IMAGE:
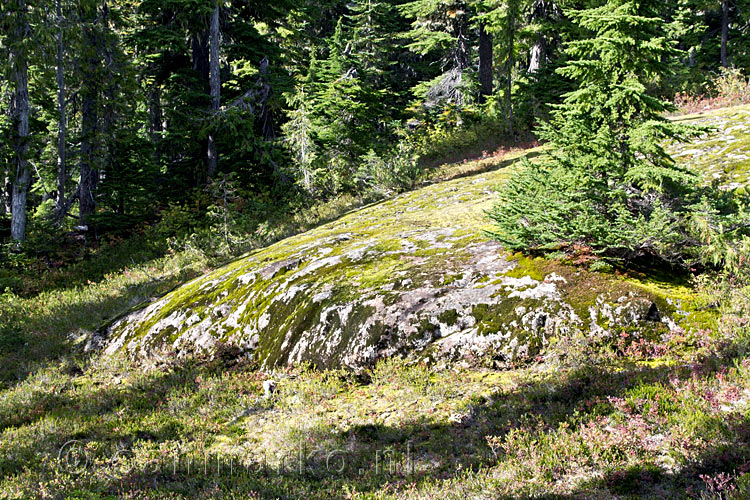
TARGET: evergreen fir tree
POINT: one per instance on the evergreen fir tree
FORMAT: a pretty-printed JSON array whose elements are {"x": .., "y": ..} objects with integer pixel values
[
  {"x": 299, "y": 136},
  {"x": 503, "y": 20},
  {"x": 346, "y": 109},
  {"x": 369, "y": 19},
  {"x": 607, "y": 183},
  {"x": 441, "y": 28}
]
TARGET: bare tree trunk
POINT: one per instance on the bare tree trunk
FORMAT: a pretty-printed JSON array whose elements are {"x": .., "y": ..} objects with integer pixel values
[
  {"x": 155, "y": 113},
  {"x": 538, "y": 55},
  {"x": 724, "y": 31},
  {"x": 21, "y": 114},
  {"x": 541, "y": 11},
  {"x": 89, "y": 122},
  {"x": 485, "y": 64},
  {"x": 461, "y": 55},
  {"x": 262, "y": 96},
  {"x": 62, "y": 172},
  {"x": 212, "y": 159},
  {"x": 86, "y": 202},
  {"x": 510, "y": 63},
  {"x": 155, "y": 118},
  {"x": 105, "y": 152}
]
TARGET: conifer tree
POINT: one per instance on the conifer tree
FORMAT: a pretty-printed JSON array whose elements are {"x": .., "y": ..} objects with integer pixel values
[
  {"x": 504, "y": 21},
  {"x": 369, "y": 18},
  {"x": 299, "y": 132},
  {"x": 16, "y": 17},
  {"x": 215, "y": 86},
  {"x": 442, "y": 28},
  {"x": 346, "y": 110},
  {"x": 607, "y": 183}
]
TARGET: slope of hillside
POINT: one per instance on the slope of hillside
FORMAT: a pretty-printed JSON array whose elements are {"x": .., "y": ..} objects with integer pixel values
[
  {"x": 660, "y": 409},
  {"x": 724, "y": 154},
  {"x": 415, "y": 275}
]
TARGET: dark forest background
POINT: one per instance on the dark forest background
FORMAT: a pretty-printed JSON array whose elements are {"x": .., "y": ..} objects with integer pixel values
[{"x": 205, "y": 123}]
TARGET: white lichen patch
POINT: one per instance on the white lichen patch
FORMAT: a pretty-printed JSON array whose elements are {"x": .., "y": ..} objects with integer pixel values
[{"x": 411, "y": 276}]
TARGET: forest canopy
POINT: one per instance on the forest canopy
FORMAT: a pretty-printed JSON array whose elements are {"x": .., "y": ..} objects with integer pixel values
[{"x": 119, "y": 115}]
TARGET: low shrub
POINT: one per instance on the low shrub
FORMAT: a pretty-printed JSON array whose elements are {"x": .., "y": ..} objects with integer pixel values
[{"x": 728, "y": 87}]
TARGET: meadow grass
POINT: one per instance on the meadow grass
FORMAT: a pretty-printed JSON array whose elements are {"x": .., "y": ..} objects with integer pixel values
[{"x": 656, "y": 419}]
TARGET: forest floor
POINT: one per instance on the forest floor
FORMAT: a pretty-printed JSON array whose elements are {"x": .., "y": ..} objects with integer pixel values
[{"x": 656, "y": 421}]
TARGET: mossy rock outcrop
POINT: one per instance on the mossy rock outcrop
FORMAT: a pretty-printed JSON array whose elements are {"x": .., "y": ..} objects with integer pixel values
[{"x": 413, "y": 275}]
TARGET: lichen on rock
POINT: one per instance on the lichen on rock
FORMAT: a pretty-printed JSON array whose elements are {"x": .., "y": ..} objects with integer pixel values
[
  {"x": 411, "y": 276},
  {"x": 368, "y": 286}
]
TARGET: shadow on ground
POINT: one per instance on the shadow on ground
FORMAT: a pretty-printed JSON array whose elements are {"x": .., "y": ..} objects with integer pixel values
[{"x": 364, "y": 458}]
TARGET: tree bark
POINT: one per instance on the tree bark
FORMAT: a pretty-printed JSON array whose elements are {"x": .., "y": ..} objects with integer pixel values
[
  {"x": 105, "y": 53},
  {"x": 460, "y": 54},
  {"x": 155, "y": 118},
  {"x": 212, "y": 153},
  {"x": 86, "y": 201},
  {"x": 462, "y": 51},
  {"x": 199, "y": 51},
  {"x": 485, "y": 64},
  {"x": 89, "y": 124},
  {"x": 510, "y": 63},
  {"x": 538, "y": 55},
  {"x": 541, "y": 11},
  {"x": 155, "y": 114},
  {"x": 724, "y": 31},
  {"x": 262, "y": 97},
  {"x": 199, "y": 44},
  {"x": 21, "y": 115},
  {"x": 62, "y": 172}
]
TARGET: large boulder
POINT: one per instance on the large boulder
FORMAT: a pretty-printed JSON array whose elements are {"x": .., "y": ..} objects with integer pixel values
[{"x": 410, "y": 276}]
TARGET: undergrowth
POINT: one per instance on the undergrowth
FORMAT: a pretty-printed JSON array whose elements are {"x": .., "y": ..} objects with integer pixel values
[{"x": 639, "y": 418}]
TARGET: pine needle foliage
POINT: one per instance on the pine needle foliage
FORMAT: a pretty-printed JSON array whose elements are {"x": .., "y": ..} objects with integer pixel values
[{"x": 606, "y": 182}]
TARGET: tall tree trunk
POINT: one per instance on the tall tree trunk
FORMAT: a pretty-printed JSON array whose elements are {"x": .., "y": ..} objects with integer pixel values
[
  {"x": 155, "y": 118},
  {"x": 261, "y": 95},
  {"x": 460, "y": 55},
  {"x": 21, "y": 115},
  {"x": 212, "y": 153},
  {"x": 155, "y": 115},
  {"x": 538, "y": 55},
  {"x": 542, "y": 11},
  {"x": 462, "y": 52},
  {"x": 108, "y": 110},
  {"x": 199, "y": 44},
  {"x": 485, "y": 64},
  {"x": 510, "y": 63},
  {"x": 199, "y": 48},
  {"x": 62, "y": 172},
  {"x": 724, "y": 31},
  {"x": 89, "y": 119},
  {"x": 89, "y": 122}
]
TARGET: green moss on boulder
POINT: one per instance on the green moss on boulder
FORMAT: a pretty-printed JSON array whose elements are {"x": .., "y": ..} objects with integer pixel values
[{"x": 408, "y": 276}]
